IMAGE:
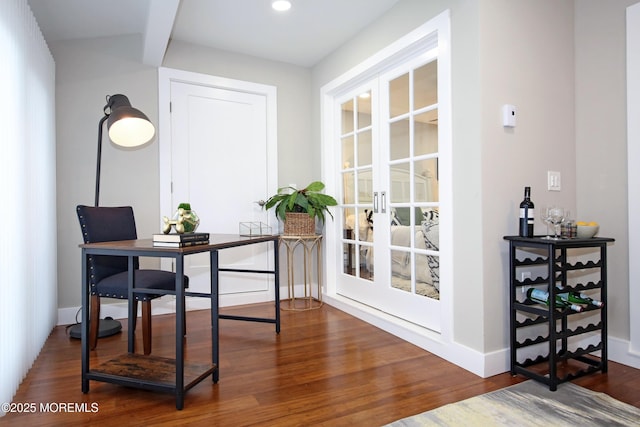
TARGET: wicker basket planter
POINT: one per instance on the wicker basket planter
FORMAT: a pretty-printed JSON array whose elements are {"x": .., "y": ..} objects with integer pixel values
[
  {"x": 299, "y": 209},
  {"x": 299, "y": 224}
]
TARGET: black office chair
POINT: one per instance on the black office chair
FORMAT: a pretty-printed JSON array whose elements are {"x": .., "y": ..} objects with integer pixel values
[{"x": 108, "y": 274}]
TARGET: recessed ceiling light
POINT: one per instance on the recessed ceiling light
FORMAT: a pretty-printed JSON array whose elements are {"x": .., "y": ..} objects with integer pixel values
[{"x": 281, "y": 5}]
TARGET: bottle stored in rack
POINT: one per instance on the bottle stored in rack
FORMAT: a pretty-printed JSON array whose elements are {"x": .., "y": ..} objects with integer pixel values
[
  {"x": 542, "y": 297},
  {"x": 579, "y": 298}
]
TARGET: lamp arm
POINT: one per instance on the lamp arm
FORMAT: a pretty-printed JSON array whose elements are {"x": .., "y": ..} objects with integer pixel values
[{"x": 100, "y": 126}]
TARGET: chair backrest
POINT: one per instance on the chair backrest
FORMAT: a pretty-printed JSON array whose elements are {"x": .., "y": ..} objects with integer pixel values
[{"x": 106, "y": 224}]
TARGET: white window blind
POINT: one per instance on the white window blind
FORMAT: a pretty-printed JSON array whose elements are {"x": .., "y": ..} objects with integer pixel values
[{"x": 28, "y": 264}]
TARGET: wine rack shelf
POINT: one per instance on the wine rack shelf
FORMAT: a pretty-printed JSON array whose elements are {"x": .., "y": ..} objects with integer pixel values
[{"x": 541, "y": 340}]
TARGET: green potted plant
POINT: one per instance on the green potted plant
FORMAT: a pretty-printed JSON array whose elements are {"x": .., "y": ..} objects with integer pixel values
[{"x": 300, "y": 208}]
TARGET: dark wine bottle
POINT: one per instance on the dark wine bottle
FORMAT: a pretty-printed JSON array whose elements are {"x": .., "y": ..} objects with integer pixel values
[
  {"x": 527, "y": 214},
  {"x": 542, "y": 297},
  {"x": 580, "y": 298}
]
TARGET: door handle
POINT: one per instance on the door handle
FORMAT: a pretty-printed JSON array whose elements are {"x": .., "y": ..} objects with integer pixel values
[
  {"x": 375, "y": 202},
  {"x": 383, "y": 196}
]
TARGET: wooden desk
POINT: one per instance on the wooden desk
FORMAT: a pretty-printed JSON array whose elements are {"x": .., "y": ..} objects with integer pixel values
[{"x": 159, "y": 373}]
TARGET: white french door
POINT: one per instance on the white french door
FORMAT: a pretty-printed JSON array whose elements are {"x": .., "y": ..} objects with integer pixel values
[
  {"x": 390, "y": 206},
  {"x": 389, "y": 144},
  {"x": 220, "y": 159}
]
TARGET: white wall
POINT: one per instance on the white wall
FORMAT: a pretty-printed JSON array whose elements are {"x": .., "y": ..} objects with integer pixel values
[
  {"x": 601, "y": 140},
  {"x": 526, "y": 51},
  {"x": 88, "y": 70}
]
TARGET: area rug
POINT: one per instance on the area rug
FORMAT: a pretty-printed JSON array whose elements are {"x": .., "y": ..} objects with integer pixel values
[{"x": 530, "y": 403}]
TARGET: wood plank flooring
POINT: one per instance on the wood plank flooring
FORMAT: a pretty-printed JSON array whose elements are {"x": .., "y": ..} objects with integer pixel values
[{"x": 324, "y": 368}]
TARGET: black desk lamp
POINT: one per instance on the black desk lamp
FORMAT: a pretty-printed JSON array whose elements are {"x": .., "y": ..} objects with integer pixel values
[{"x": 127, "y": 127}]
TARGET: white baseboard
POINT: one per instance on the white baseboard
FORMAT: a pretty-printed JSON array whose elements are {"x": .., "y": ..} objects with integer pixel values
[
  {"x": 620, "y": 351},
  {"x": 465, "y": 357},
  {"x": 118, "y": 310},
  {"x": 482, "y": 364},
  {"x": 166, "y": 305}
]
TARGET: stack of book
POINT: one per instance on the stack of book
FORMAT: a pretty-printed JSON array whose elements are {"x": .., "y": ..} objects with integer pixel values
[{"x": 174, "y": 240}]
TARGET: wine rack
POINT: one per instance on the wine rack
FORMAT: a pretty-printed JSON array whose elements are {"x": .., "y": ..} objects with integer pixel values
[{"x": 549, "y": 343}]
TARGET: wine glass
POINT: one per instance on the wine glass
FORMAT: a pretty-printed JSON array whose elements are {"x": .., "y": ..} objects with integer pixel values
[
  {"x": 544, "y": 217},
  {"x": 556, "y": 217}
]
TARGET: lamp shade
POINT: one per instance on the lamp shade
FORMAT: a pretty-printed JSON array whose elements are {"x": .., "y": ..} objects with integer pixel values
[{"x": 128, "y": 126}]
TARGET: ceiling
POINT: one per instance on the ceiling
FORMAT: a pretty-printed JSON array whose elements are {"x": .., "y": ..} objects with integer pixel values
[{"x": 304, "y": 35}]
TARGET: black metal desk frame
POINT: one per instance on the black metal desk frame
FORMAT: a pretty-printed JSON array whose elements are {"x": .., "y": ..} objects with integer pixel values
[{"x": 161, "y": 381}]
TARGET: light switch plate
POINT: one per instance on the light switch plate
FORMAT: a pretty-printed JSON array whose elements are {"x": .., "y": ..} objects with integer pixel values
[{"x": 554, "y": 181}]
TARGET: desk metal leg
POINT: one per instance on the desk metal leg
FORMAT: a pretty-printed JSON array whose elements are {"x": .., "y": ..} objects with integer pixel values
[
  {"x": 132, "y": 314},
  {"x": 276, "y": 284},
  {"x": 84, "y": 330},
  {"x": 215, "y": 323},
  {"x": 180, "y": 328}
]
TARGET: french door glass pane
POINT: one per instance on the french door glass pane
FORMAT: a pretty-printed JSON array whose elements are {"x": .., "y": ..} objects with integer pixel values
[
  {"x": 399, "y": 96},
  {"x": 357, "y": 186},
  {"x": 348, "y": 152},
  {"x": 400, "y": 135},
  {"x": 413, "y": 181},
  {"x": 400, "y": 263},
  {"x": 365, "y": 186},
  {"x": 425, "y": 272},
  {"x": 348, "y": 188},
  {"x": 400, "y": 188},
  {"x": 425, "y": 133},
  {"x": 365, "y": 234},
  {"x": 425, "y": 85},
  {"x": 347, "y": 117},
  {"x": 365, "y": 148},
  {"x": 364, "y": 110},
  {"x": 349, "y": 253},
  {"x": 426, "y": 182}
]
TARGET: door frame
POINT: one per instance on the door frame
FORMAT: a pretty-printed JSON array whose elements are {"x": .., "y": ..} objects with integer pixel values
[
  {"x": 167, "y": 76},
  {"x": 406, "y": 48},
  {"x": 633, "y": 156}
]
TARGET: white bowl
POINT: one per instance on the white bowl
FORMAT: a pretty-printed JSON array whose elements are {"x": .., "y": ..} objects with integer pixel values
[{"x": 587, "y": 231}]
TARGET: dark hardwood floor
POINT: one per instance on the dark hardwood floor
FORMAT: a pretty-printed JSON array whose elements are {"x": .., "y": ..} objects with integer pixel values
[{"x": 324, "y": 368}]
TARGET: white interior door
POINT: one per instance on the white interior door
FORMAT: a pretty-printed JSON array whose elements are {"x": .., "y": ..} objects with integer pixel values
[
  {"x": 221, "y": 161},
  {"x": 387, "y": 146},
  {"x": 390, "y": 205}
]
